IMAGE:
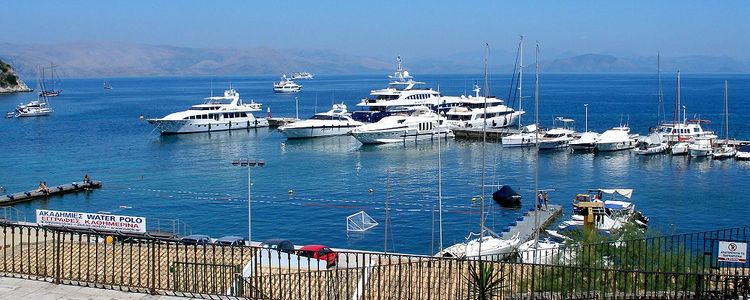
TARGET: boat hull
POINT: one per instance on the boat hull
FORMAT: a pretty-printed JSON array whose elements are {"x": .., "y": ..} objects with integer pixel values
[
  {"x": 399, "y": 136},
  {"x": 614, "y": 146},
  {"x": 583, "y": 147},
  {"x": 311, "y": 132},
  {"x": 166, "y": 127},
  {"x": 700, "y": 152},
  {"x": 742, "y": 155},
  {"x": 650, "y": 150}
]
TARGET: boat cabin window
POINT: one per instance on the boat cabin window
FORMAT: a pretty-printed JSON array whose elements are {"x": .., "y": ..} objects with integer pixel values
[
  {"x": 322, "y": 117},
  {"x": 386, "y": 97}
]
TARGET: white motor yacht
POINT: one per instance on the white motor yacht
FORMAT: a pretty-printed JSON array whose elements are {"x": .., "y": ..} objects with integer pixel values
[
  {"x": 302, "y": 75},
  {"x": 557, "y": 137},
  {"x": 470, "y": 111},
  {"x": 492, "y": 248},
  {"x": 679, "y": 132},
  {"x": 286, "y": 85},
  {"x": 218, "y": 113},
  {"x": 526, "y": 138},
  {"x": 651, "y": 144},
  {"x": 701, "y": 147},
  {"x": 615, "y": 139},
  {"x": 586, "y": 142},
  {"x": 724, "y": 151},
  {"x": 419, "y": 123},
  {"x": 35, "y": 108},
  {"x": 680, "y": 148},
  {"x": 333, "y": 122}
]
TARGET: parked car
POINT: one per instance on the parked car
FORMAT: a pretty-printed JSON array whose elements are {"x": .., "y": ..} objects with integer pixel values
[
  {"x": 196, "y": 239},
  {"x": 319, "y": 252},
  {"x": 279, "y": 244},
  {"x": 231, "y": 240}
]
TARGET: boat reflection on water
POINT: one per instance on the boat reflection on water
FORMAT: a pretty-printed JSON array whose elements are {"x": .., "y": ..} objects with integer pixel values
[{"x": 330, "y": 144}]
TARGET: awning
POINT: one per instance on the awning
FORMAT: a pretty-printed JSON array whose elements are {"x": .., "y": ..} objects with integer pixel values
[{"x": 627, "y": 193}]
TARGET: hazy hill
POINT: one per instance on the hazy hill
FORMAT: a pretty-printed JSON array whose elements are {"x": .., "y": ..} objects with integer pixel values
[{"x": 111, "y": 59}]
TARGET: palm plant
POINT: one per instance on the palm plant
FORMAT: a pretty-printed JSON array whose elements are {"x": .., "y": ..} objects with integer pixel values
[{"x": 484, "y": 281}]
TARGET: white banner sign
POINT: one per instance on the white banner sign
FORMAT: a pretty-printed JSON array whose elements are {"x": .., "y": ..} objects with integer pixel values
[
  {"x": 733, "y": 252},
  {"x": 90, "y": 221}
]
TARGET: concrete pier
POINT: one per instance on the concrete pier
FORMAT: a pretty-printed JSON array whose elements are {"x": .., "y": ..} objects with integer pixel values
[
  {"x": 525, "y": 224},
  {"x": 53, "y": 190}
]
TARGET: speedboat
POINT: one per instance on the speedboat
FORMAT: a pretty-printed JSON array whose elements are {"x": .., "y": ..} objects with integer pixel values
[
  {"x": 507, "y": 197},
  {"x": 286, "y": 85},
  {"x": 586, "y": 142},
  {"x": 333, "y": 122},
  {"x": 743, "y": 153},
  {"x": 218, "y": 113},
  {"x": 609, "y": 215},
  {"x": 557, "y": 137},
  {"x": 539, "y": 252},
  {"x": 615, "y": 139},
  {"x": 492, "y": 248},
  {"x": 418, "y": 123},
  {"x": 302, "y": 75},
  {"x": 526, "y": 138},
  {"x": 651, "y": 144},
  {"x": 724, "y": 151},
  {"x": 701, "y": 147},
  {"x": 471, "y": 112},
  {"x": 35, "y": 108}
]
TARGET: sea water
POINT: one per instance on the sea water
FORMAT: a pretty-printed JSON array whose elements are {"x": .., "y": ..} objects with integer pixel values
[{"x": 308, "y": 187}]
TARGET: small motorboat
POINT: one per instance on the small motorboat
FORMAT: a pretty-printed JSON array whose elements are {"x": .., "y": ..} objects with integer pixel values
[
  {"x": 492, "y": 248},
  {"x": 539, "y": 252},
  {"x": 743, "y": 153},
  {"x": 586, "y": 142},
  {"x": 651, "y": 144},
  {"x": 507, "y": 197}
]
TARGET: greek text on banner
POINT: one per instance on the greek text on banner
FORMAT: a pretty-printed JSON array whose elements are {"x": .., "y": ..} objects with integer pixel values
[{"x": 90, "y": 221}]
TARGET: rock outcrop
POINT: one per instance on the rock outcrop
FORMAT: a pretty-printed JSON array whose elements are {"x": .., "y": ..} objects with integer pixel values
[{"x": 9, "y": 81}]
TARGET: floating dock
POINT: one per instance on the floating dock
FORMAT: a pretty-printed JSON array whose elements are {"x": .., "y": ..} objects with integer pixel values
[
  {"x": 493, "y": 134},
  {"x": 53, "y": 190},
  {"x": 525, "y": 224},
  {"x": 280, "y": 121}
]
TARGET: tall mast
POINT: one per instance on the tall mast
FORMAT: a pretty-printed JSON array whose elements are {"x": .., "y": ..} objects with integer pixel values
[
  {"x": 658, "y": 93},
  {"x": 440, "y": 194},
  {"x": 484, "y": 147},
  {"x": 385, "y": 235},
  {"x": 520, "y": 83},
  {"x": 536, "y": 153}
]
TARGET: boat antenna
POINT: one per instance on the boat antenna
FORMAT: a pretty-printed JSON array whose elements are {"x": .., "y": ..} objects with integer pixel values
[
  {"x": 536, "y": 153},
  {"x": 484, "y": 148}
]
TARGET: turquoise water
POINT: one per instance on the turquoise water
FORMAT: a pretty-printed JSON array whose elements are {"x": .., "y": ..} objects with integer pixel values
[{"x": 190, "y": 177}]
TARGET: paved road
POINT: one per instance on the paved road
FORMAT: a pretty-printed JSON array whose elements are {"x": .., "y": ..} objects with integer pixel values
[{"x": 14, "y": 288}]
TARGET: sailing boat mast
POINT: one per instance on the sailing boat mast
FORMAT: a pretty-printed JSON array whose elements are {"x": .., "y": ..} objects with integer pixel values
[
  {"x": 677, "y": 107},
  {"x": 726, "y": 110},
  {"x": 536, "y": 153},
  {"x": 385, "y": 236},
  {"x": 484, "y": 148},
  {"x": 660, "y": 104},
  {"x": 440, "y": 195},
  {"x": 520, "y": 82}
]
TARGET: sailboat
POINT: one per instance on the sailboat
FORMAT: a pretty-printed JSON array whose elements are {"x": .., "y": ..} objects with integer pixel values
[
  {"x": 528, "y": 136},
  {"x": 681, "y": 147},
  {"x": 53, "y": 92},
  {"x": 490, "y": 247},
  {"x": 107, "y": 86},
  {"x": 35, "y": 108},
  {"x": 725, "y": 151},
  {"x": 653, "y": 143}
]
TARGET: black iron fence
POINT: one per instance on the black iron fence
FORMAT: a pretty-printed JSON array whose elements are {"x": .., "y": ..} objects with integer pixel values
[{"x": 684, "y": 266}]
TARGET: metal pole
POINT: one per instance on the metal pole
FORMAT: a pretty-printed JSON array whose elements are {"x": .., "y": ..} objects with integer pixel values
[
  {"x": 587, "y": 116},
  {"x": 249, "y": 209},
  {"x": 296, "y": 108}
]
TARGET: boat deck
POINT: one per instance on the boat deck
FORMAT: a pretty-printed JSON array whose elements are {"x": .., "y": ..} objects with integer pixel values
[
  {"x": 525, "y": 226},
  {"x": 53, "y": 190}
]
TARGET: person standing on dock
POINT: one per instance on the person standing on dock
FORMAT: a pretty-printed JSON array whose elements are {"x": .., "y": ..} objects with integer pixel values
[
  {"x": 546, "y": 201},
  {"x": 539, "y": 200}
]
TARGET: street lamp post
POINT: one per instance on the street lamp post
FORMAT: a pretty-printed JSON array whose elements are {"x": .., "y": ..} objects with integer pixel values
[{"x": 248, "y": 163}]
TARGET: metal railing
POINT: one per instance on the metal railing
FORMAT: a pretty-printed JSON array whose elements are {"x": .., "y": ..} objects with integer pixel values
[{"x": 677, "y": 266}]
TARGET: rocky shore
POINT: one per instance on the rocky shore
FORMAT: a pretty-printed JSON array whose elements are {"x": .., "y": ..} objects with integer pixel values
[{"x": 9, "y": 81}]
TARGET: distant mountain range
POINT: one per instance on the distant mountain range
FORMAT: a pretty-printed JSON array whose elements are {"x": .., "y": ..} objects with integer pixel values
[{"x": 114, "y": 59}]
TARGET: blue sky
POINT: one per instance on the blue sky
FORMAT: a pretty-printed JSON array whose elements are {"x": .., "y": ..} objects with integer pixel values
[{"x": 382, "y": 28}]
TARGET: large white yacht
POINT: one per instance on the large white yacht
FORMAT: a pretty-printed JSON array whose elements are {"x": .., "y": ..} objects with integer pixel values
[
  {"x": 557, "y": 137},
  {"x": 685, "y": 131},
  {"x": 286, "y": 85},
  {"x": 470, "y": 111},
  {"x": 218, "y": 113},
  {"x": 418, "y": 123},
  {"x": 35, "y": 108},
  {"x": 615, "y": 139},
  {"x": 403, "y": 91},
  {"x": 333, "y": 122}
]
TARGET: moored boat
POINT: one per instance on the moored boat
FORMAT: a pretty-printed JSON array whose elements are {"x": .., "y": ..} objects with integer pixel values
[
  {"x": 285, "y": 86},
  {"x": 336, "y": 121},
  {"x": 615, "y": 139},
  {"x": 557, "y": 137},
  {"x": 526, "y": 138},
  {"x": 418, "y": 123},
  {"x": 651, "y": 144}
]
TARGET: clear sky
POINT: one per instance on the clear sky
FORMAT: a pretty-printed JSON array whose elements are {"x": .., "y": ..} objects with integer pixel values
[{"x": 382, "y": 28}]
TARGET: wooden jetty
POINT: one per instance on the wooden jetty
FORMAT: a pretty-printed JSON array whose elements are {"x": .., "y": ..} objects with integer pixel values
[
  {"x": 525, "y": 224},
  {"x": 493, "y": 134},
  {"x": 53, "y": 190},
  {"x": 280, "y": 121}
]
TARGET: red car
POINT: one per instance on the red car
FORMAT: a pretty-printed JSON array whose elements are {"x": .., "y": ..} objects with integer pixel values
[{"x": 319, "y": 252}]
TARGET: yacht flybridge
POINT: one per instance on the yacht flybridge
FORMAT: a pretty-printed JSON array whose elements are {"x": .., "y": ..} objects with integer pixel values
[
  {"x": 219, "y": 113},
  {"x": 333, "y": 122},
  {"x": 470, "y": 111}
]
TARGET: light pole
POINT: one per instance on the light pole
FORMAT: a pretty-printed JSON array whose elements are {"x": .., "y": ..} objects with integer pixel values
[
  {"x": 248, "y": 163},
  {"x": 587, "y": 116}
]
